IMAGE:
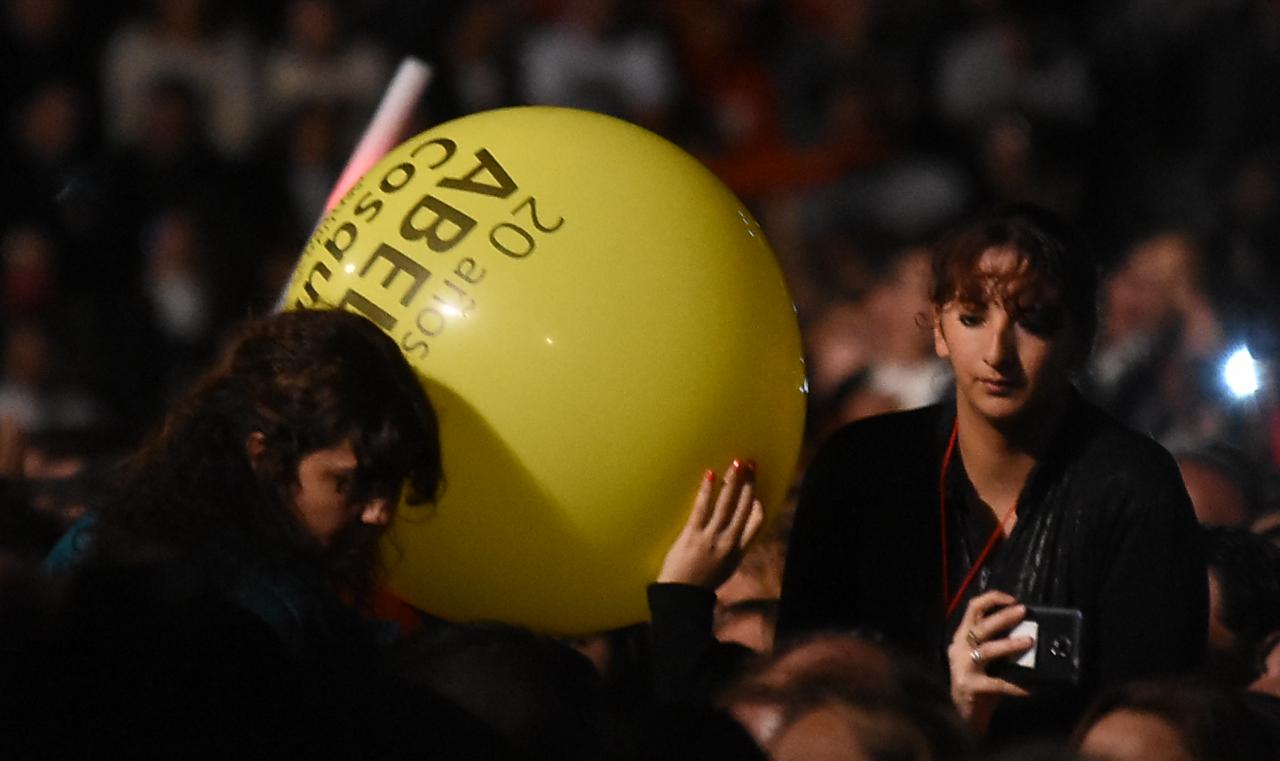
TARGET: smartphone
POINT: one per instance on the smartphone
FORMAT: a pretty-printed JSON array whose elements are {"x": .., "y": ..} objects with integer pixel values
[{"x": 1055, "y": 657}]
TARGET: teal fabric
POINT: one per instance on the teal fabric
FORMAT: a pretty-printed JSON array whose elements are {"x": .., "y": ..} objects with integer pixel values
[
  {"x": 71, "y": 549},
  {"x": 299, "y": 607}
]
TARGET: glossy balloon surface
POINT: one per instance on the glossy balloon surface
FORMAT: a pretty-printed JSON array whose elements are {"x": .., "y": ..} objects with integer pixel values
[{"x": 597, "y": 320}]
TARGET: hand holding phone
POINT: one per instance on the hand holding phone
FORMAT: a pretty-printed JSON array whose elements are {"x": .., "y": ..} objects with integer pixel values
[
  {"x": 1056, "y": 656},
  {"x": 1003, "y": 648},
  {"x": 981, "y": 641}
]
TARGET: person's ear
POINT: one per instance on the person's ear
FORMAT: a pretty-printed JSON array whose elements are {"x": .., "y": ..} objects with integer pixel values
[
  {"x": 940, "y": 346},
  {"x": 376, "y": 512},
  {"x": 254, "y": 445}
]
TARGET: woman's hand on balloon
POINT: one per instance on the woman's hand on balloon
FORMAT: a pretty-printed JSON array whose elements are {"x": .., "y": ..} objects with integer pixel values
[
  {"x": 721, "y": 524},
  {"x": 978, "y": 641}
]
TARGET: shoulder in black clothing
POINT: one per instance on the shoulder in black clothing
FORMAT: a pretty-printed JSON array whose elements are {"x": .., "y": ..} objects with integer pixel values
[{"x": 864, "y": 544}]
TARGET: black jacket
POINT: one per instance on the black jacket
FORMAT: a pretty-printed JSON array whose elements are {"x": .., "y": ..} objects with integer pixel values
[{"x": 1104, "y": 525}]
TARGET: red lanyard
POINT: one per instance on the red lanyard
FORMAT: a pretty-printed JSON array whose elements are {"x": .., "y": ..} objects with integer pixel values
[{"x": 952, "y": 602}]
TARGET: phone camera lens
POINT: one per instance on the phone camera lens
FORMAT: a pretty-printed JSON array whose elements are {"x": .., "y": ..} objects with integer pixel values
[{"x": 1060, "y": 647}]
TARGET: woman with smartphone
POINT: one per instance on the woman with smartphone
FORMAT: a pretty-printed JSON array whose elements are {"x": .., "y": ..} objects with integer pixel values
[{"x": 940, "y": 528}]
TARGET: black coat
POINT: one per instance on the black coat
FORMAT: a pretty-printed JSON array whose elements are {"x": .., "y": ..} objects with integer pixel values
[{"x": 1104, "y": 525}]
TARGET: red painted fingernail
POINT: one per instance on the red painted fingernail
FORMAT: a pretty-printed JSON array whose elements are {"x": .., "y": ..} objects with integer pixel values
[
  {"x": 737, "y": 464},
  {"x": 709, "y": 476}
]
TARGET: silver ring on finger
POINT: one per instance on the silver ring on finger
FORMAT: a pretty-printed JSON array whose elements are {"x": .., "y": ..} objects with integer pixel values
[{"x": 975, "y": 655}]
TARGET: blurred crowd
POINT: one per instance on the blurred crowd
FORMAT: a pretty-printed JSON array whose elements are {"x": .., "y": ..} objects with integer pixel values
[{"x": 165, "y": 160}]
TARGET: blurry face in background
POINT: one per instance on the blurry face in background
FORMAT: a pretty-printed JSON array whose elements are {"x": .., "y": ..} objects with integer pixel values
[
  {"x": 28, "y": 355},
  {"x": 50, "y": 123},
  {"x": 36, "y": 19},
  {"x": 184, "y": 18},
  {"x": 1125, "y": 735},
  {"x": 823, "y": 734},
  {"x": 28, "y": 269},
  {"x": 895, "y": 304},
  {"x": 1216, "y": 499},
  {"x": 850, "y": 731},
  {"x": 1145, "y": 292},
  {"x": 761, "y": 717},
  {"x": 313, "y": 24},
  {"x": 836, "y": 346},
  {"x": 170, "y": 122}
]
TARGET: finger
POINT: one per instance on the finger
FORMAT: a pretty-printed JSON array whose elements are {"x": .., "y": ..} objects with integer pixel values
[
  {"x": 741, "y": 510},
  {"x": 991, "y": 599},
  {"x": 1001, "y": 621},
  {"x": 701, "y": 512},
  {"x": 723, "y": 511},
  {"x": 1003, "y": 648},
  {"x": 754, "y": 522},
  {"x": 993, "y": 686},
  {"x": 981, "y": 604}
]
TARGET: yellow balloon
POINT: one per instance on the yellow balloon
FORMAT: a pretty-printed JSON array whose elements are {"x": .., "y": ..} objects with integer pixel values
[{"x": 597, "y": 320}]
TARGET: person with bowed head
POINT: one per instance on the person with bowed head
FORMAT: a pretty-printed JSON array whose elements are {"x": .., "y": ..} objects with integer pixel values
[
  {"x": 947, "y": 527},
  {"x": 270, "y": 483}
]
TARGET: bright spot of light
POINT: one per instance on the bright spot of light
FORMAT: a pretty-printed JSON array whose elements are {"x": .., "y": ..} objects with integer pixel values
[
  {"x": 450, "y": 310},
  {"x": 349, "y": 269},
  {"x": 1240, "y": 373},
  {"x": 550, "y": 341}
]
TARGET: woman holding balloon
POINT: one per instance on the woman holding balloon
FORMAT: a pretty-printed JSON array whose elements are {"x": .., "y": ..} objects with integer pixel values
[
  {"x": 272, "y": 481},
  {"x": 948, "y": 527},
  {"x": 689, "y": 663}
]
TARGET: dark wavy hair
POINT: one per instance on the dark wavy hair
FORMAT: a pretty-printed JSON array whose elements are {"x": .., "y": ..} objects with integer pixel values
[
  {"x": 1056, "y": 272},
  {"x": 306, "y": 380},
  {"x": 1247, "y": 568}
]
